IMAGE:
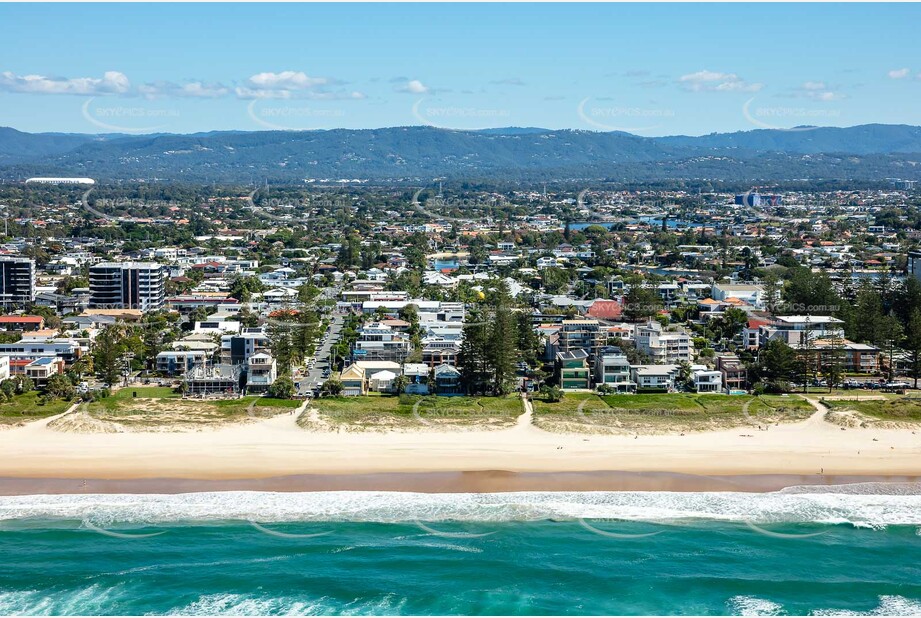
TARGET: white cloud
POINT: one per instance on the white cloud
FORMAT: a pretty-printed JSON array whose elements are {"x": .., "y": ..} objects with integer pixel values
[
  {"x": 899, "y": 73},
  {"x": 413, "y": 86},
  {"x": 112, "y": 82},
  {"x": 286, "y": 80},
  {"x": 710, "y": 81},
  {"x": 291, "y": 85},
  {"x": 244, "y": 92},
  {"x": 816, "y": 90},
  {"x": 194, "y": 90}
]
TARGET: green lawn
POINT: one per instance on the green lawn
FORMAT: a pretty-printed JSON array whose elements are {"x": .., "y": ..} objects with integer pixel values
[
  {"x": 390, "y": 411},
  {"x": 665, "y": 412},
  {"x": 27, "y": 407}
]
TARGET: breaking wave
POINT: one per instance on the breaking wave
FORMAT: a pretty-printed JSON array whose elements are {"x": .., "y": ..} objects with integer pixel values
[{"x": 863, "y": 510}]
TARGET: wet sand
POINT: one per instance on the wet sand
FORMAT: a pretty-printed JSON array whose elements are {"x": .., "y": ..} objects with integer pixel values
[{"x": 486, "y": 481}]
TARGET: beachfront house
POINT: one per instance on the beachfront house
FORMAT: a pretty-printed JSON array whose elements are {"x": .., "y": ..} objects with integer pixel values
[
  {"x": 735, "y": 376},
  {"x": 447, "y": 380},
  {"x": 417, "y": 378},
  {"x": 354, "y": 383},
  {"x": 654, "y": 377},
  {"x": 213, "y": 380},
  {"x": 706, "y": 380},
  {"x": 572, "y": 370},
  {"x": 612, "y": 369},
  {"x": 261, "y": 373}
]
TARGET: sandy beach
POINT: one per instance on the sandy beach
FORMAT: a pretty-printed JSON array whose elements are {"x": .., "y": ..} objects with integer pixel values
[{"x": 277, "y": 447}]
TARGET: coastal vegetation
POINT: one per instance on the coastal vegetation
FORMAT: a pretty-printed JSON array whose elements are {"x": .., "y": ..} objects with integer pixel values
[
  {"x": 382, "y": 412},
  {"x": 665, "y": 412}
]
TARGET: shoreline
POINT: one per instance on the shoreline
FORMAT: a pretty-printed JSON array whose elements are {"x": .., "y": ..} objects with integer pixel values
[{"x": 491, "y": 481}]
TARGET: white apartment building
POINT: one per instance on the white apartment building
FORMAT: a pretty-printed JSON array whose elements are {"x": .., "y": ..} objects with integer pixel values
[{"x": 662, "y": 346}]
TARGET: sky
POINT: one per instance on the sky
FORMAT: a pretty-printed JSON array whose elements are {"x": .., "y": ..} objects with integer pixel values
[{"x": 648, "y": 69}]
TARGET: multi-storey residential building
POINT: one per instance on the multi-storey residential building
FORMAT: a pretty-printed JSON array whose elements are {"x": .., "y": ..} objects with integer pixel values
[
  {"x": 261, "y": 373},
  {"x": 853, "y": 357},
  {"x": 572, "y": 370},
  {"x": 178, "y": 362},
  {"x": 436, "y": 353},
  {"x": 585, "y": 335},
  {"x": 914, "y": 264},
  {"x": 128, "y": 285},
  {"x": 796, "y": 330},
  {"x": 661, "y": 346},
  {"x": 735, "y": 376},
  {"x": 236, "y": 349},
  {"x": 68, "y": 350},
  {"x": 378, "y": 341},
  {"x": 17, "y": 282},
  {"x": 612, "y": 369}
]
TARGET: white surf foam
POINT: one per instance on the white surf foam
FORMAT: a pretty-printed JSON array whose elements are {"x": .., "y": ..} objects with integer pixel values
[
  {"x": 888, "y": 606},
  {"x": 753, "y": 606},
  {"x": 875, "y": 510}
]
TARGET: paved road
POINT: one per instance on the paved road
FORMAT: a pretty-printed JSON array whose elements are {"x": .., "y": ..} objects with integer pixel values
[{"x": 315, "y": 376}]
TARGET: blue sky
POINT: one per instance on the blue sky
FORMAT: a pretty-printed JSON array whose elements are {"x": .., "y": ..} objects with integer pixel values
[{"x": 652, "y": 69}]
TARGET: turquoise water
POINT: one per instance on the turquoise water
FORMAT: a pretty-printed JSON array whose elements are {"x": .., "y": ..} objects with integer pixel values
[{"x": 530, "y": 553}]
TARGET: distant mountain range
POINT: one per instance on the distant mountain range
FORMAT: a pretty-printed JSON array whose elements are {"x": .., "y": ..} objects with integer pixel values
[{"x": 866, "y": 152}]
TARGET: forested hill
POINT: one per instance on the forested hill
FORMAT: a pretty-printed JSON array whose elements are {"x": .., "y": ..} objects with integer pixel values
[{"x": 867, "y": 152}]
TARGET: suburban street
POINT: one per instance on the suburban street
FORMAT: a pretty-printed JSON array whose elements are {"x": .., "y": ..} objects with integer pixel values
[{"x": 314, "y": 376}]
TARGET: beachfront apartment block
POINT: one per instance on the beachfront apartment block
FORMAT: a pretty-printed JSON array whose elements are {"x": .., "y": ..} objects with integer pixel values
[
  {"x": 853, "y": 357},
  {"x": 128, "y": 285},
  {"x": 661, "y": 346},
  {"x": 17, "y": 282}
]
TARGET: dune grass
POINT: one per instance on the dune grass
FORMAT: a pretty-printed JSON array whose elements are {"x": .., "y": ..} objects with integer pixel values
[
  {"x": 890, "y": 409},
  {"x": 664, "y": 412},
  {"x": 413, "y": 411}
]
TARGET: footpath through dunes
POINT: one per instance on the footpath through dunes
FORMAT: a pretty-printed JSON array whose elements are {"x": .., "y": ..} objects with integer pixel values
[{"x": 280, "y": 446}]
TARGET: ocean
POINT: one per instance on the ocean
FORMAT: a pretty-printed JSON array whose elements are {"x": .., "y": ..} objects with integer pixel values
[{"x": 831, "y": 550}]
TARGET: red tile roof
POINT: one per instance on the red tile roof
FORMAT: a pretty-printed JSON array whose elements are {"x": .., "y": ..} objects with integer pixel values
[
  {"x": 21, "y": 319},
  {"x": 605, "y": 309}
]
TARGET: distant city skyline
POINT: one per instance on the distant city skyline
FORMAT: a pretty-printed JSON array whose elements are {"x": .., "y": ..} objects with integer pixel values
[{"x": 655, "y": 69}]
